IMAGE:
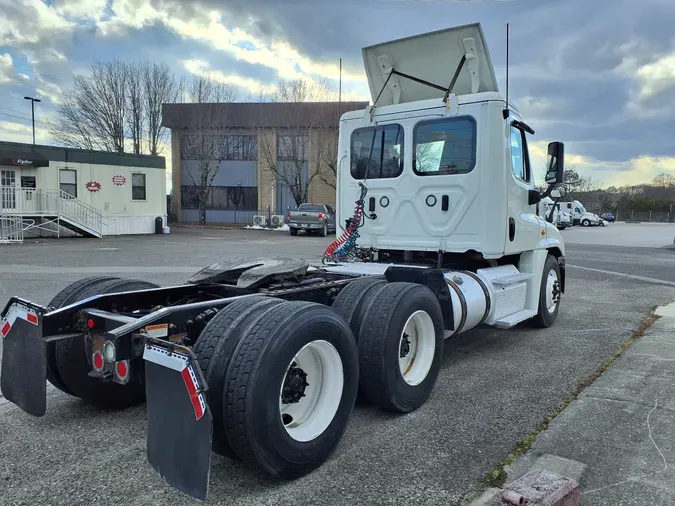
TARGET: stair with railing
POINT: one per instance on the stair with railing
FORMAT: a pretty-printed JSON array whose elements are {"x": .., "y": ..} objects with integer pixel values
[{"x": 46, "y": 207}]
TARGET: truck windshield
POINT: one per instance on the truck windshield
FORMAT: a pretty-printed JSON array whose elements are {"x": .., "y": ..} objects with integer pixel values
[{"x": 311, "y": 208}]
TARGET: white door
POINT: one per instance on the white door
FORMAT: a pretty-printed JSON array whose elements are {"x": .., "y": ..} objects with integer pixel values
[
  {"x": 8, "y": 189},
  {"x": 524, "y": 225}
]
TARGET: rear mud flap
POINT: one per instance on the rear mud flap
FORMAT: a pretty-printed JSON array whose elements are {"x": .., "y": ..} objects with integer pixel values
[
  {"x": 24, "y": 359},
  {"x": 179, "y": 420}
]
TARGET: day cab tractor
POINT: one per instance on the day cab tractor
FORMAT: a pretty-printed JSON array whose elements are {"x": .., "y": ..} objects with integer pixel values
[{"x": 262, "y": 361}]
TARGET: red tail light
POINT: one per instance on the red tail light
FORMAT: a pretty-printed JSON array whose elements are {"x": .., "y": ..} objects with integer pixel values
[
  {"x": 289, "y": 215},
  {"x": 320, "y": 216}
]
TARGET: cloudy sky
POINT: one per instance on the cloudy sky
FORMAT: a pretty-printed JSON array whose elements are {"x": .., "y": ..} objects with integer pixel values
[{"x": 596, "y": 74}]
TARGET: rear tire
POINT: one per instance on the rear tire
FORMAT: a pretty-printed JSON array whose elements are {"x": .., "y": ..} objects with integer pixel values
[
  {"x": 548, "y": 291},
  {"x": 214, "y": 349},
  {"x": 396, "y": 376},
  {"x": 73, "y": 366},
  {"x": 290, "y": 439},
  {"x": 69, "y": 295},
  {"x": 324, "y": 230},
  {"x": 352, "y": 304}
]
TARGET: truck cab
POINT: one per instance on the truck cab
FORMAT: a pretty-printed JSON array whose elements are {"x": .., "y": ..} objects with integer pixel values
[
  {"x": 447, "y": 170},
  {"x": 580, "y": 216}
]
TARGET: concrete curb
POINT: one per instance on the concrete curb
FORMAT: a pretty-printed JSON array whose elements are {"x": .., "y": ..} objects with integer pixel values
[{"x": 558, "y": 476}]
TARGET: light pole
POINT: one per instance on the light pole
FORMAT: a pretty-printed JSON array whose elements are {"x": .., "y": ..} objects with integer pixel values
[{"x": 32, "y": 111}]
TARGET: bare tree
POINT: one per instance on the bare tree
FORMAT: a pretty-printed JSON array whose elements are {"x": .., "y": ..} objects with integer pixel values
[
  {"x": 159, "y": 87},
  {"x": 288, "y": 155},
  {"x": 114, "y": 102},
  {"x": 204, "y": 146},
  {"x": 93, "y": 112}
]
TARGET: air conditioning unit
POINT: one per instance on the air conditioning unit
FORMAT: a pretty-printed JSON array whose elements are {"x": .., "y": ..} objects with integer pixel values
[
  {"x": 277, "y": 220},
  {"x": 260, "y": 220}
]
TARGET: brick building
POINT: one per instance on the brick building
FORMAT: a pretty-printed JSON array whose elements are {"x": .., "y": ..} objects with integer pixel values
[{"x": 253, "y": 155}]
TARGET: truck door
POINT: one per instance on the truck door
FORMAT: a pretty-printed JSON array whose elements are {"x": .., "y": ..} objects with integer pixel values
[{"x": 523, "y": 225}]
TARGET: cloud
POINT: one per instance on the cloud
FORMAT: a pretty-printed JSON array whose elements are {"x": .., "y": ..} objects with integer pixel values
[
  {"x": 599, "y": 78},
  {"x": 81, "y": 9}
]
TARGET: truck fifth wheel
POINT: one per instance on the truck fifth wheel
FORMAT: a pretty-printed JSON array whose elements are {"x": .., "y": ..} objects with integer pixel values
[{"x": 439, "y": 230}]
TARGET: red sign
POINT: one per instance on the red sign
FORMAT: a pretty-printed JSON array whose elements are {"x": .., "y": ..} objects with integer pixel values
[
  {"x": 119, "y": 180},
  {"x": 93, "y": 186}
]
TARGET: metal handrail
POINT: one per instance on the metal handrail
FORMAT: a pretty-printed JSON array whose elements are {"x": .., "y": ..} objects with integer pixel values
[{"x": 42, "y": 202}]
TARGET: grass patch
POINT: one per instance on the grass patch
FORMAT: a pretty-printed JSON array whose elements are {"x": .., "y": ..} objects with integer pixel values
[{"x": 497, "y": 476}]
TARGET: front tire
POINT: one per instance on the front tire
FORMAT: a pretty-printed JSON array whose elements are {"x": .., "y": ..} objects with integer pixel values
[
  {"x": 401, "y": 347},
  {"x": 549, "y": 294},
  {"x": 294, "y": 231},
  {"x": 585, "y": 223},
  {"x": 291, "y": 389}
]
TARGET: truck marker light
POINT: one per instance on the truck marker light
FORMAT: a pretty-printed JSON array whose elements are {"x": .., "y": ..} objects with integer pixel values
[
  {"x": 5, "y": 329},
  {"x": 90, "y": 323},
  {"x": 109, "y": 351},
  {"x": 97, "y": 360},
  {"x": 122, "y": 369}
]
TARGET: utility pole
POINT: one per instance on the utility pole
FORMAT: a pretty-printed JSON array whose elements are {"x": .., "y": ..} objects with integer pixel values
[{"x": 32, "y": 110}]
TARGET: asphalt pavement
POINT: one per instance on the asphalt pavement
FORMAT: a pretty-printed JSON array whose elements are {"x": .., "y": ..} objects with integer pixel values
[{"x": 495, "y": 386}]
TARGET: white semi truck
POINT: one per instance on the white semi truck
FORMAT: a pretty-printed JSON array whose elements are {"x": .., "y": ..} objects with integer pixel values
[
  {"x": 261, "y": 361},
  {"x": 579, "y": 214}
]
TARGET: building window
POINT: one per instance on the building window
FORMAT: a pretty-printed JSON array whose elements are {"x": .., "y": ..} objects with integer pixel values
[
  {"x": 520, "y": 164},
  {"x": 377, "y": 152},
  {"x": 446, "y": 146},
  {"x": 293, "y": 147},
  {"x": 225, "y": 198},
  {"x": 68, "y": 182},
  {"x": 138, "y": 187},
  {"x": 221, "y": 147}
]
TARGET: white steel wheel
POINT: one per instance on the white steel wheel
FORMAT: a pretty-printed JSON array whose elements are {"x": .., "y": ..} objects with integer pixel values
[
  {"x": 552, "y": 291},
  {"x": 417, "y": 348},
  {"x": 311, "y": 390}
]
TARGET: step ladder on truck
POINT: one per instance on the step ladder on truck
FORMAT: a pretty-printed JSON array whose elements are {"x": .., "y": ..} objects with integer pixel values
[{"x": 262, "y": 361}]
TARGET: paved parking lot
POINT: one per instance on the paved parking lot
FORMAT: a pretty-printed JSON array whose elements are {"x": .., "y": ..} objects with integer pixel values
[{"x": 495, "y": 386}]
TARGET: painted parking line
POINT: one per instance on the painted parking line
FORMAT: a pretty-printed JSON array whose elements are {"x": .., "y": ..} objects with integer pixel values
[{"x": 624, "y": 275}]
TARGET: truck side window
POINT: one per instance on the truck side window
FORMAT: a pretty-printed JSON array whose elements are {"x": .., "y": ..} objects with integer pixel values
[
  {"x": 444, "y": 146},
  {"x": 377, "y": 152},
  {"x": 520, "y": 163}
]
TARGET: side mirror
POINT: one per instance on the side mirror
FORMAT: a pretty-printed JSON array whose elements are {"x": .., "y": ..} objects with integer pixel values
[
  {"x": 559, "y": 192},
  {"x": 555, "y": 163}
]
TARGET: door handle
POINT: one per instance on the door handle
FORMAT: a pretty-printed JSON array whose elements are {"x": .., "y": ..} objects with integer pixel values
[
  {"x": 444, "y": 203},
  {"x": 371, "y": 204}
]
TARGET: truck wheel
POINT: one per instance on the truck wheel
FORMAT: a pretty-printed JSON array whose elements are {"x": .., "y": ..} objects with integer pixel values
[
  {"x": 401, "y": 346},
  {"x": 353, "y": 300},
  {"x": 294, "y": 231},
  {"x": 291, "y": 387},
  {"x": 352, "y": 303},
  {"x": 585, "y": 223},
  {"x": 73, "y": 366},
  {"x": 69, "y": 295},
  {"x": 549, "y": 294},
  {"x": 214, "y": 349}
]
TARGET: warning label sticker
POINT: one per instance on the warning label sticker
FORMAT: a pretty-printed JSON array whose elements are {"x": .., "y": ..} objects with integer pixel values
[{"x": 159, "y": 330}]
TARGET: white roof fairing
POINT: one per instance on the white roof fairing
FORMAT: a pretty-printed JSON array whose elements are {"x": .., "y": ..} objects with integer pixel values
[{"x": 432, "y": 57}]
